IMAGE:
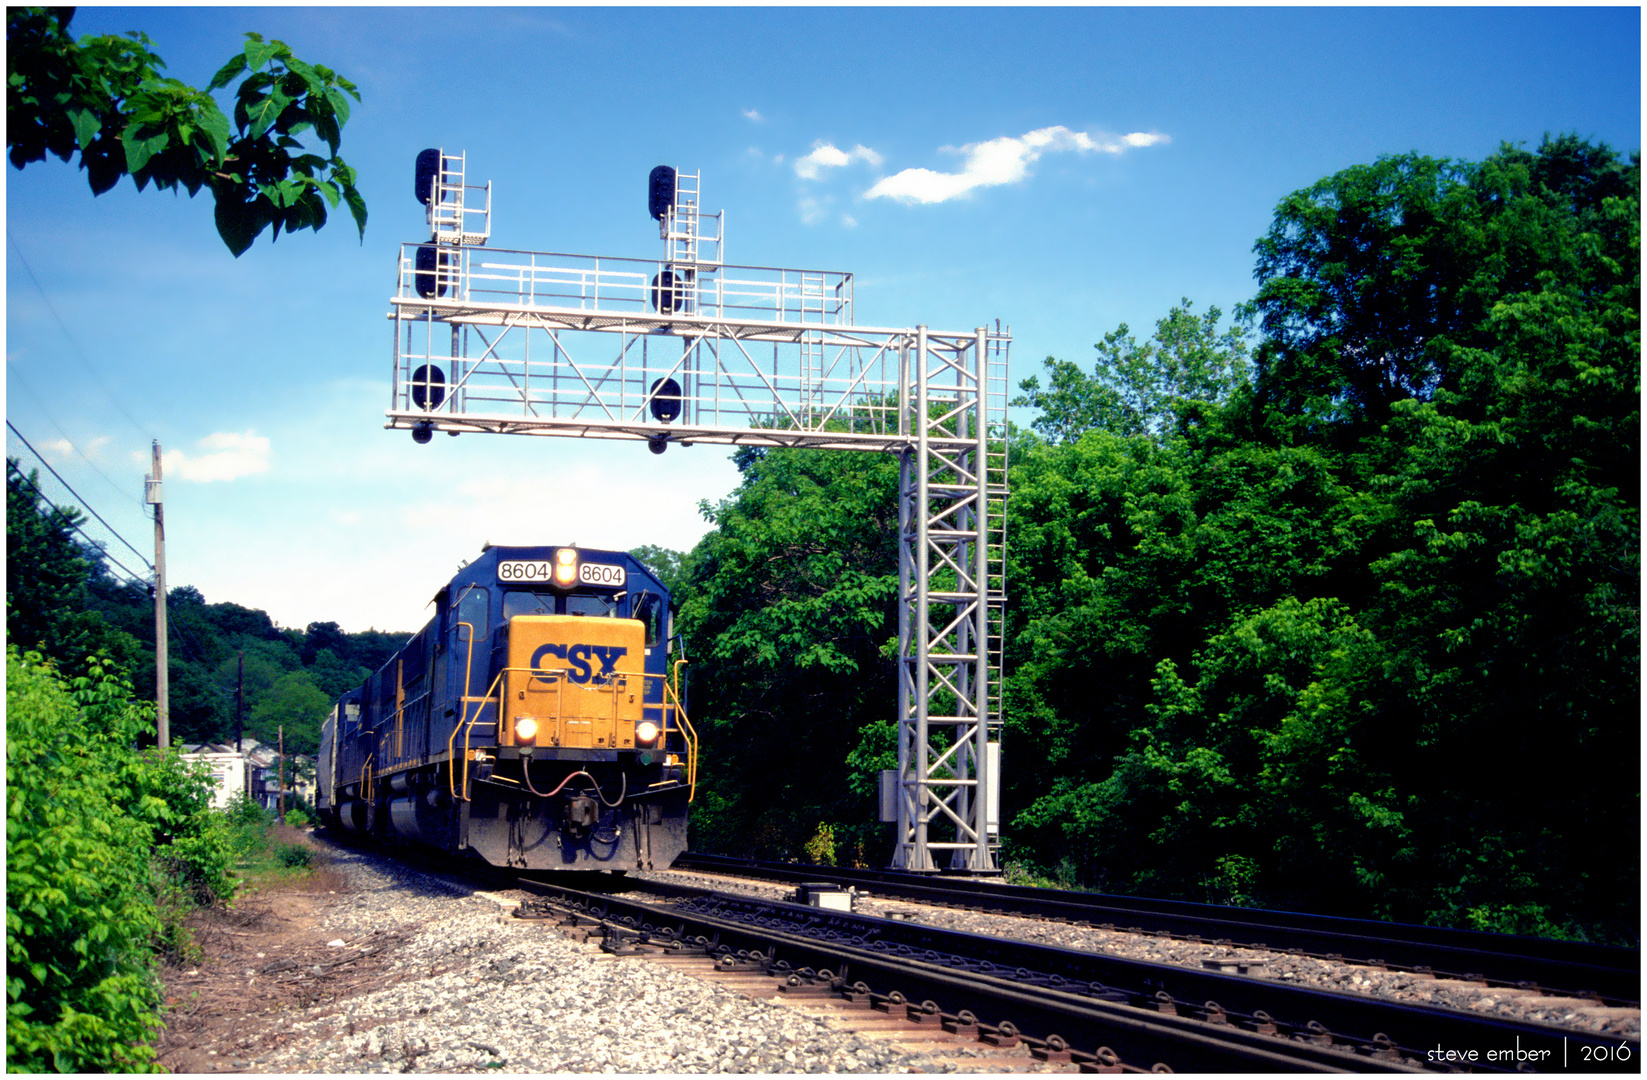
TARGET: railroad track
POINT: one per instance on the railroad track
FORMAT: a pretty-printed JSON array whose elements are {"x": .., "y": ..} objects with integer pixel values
[
  {"x": 1095, "y": 1012},
  {"x": 1576, "y": 969}
]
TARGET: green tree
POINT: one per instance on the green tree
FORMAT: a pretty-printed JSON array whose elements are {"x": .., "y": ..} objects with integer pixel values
[
  {"x": 296, "y": 704},
  {"x": 322, "y": 635},
  {"x": 790, "y": 618},
  {"x": 1137, "y": 389},
  {"x": 669, "y": 566},
  {"x": 334, "y": 676},
  {"x": 104, "y": 99},
  {"x": 50, "y": 579},
  {"x": 1330, "y": 633},
  {"x": 1376, "y": 283}
]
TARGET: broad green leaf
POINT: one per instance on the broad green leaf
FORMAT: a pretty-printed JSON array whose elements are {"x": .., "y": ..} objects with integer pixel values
[
  {"x": 228, "y": 72},
  {"x": 259, "y": 52},
  {"x": 86, "y": 126},
  {"x": 267, "y": 111},
  {"x": 313, "y": 83},
  {"x": 139, "y": 150},
  {"x": 237, "y": 223},
  {"x": 340, "y": 105},
  {"x": 216, "y": 127},
  {"x": 357, "y": 208}
]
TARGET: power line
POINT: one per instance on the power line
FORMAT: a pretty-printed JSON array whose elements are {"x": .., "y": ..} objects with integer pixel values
[
  {"x": 80, "y": 354},
  {"x": 93, "y": 542},
  {"x": 77, "y": 495},
  {"x": 124, "y": 491}
]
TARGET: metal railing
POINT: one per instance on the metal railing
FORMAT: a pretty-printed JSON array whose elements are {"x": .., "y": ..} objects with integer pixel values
[{"x": 609, "y": 285}]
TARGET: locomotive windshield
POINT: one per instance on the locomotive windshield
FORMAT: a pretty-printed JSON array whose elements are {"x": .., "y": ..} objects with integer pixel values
[
  {"x": 524, "y": 602},
  {"x": 605, "y": 607}
]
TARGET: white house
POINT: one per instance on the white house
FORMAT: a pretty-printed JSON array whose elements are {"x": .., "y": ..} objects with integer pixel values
[{"x": 251, "y": 770}]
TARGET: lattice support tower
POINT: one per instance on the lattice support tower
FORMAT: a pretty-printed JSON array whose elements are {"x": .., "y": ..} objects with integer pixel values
[{"x": 544, "y": 343}]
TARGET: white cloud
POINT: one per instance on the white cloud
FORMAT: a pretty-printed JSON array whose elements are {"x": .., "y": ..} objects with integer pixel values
[
  {"x": 753, "y": 114},
  {"x": 1005, "y": 160},
  {"x": 229, "y": 456},
  {"x": 829, "y": 156},
  {"x": 58, "y": 450},
  {"x": 812, "y": 210}
]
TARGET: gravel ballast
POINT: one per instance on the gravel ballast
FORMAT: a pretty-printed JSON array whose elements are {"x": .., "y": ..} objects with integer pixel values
[
  {"x": 481, "y": 991},
  {"x": 459, "y": 985}
]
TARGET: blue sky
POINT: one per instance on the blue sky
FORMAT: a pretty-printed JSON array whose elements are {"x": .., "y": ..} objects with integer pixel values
[{"x": 1063, "y": 170}]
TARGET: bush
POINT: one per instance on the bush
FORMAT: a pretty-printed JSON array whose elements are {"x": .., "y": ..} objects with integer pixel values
[
  {"x": 192, "y": 842},
  {"x": 294, "y": 856},
  {"x": 79, "y": 918},
  {"x": 244, "y": 810},
  {"x": 821, "y": 848},
  {"x": 200, "y": 864}
]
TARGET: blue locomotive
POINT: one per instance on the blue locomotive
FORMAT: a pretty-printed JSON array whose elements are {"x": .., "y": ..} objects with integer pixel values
[{"x": 532, "y": 722}]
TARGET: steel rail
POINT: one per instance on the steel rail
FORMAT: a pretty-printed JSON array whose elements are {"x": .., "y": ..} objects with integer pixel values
[
  {"x": 1581, "y": 969},
  {"x": 1119, "y": 1034},
  {"x": 1304, "y": 1012}
]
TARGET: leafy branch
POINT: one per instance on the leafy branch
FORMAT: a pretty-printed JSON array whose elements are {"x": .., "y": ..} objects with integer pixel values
[{"x": 105, "y": 99}]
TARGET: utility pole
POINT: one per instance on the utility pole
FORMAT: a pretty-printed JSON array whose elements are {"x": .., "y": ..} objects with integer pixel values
[
  {"x": 280, "y": 777},
  {"x": 161, "y": 691},
  {"x": 240, "y": 724}
]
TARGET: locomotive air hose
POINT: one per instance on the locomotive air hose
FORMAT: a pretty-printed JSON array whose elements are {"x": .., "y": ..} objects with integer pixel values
[{"x": 623, "y": 790}]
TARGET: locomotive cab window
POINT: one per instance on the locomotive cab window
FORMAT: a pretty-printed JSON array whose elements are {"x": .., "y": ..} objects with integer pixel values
[
  {"x": 523, "y": 602},
  {"x": 649, "y": 610},
  {"x": 601, "y": 607},
  {"x": 471, "y": 609}
]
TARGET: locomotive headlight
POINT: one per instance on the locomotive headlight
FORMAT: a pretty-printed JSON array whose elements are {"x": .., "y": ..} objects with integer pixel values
[
  {"x": 646, "y": 733},
  {"x": 526, "y": 731},
  {"x": 566, "y": 566}
]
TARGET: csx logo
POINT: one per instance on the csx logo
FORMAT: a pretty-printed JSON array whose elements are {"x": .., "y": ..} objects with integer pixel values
[{"x": 582, "y": 660}]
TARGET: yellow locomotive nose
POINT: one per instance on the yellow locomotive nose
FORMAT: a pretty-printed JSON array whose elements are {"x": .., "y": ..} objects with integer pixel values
[{"x": 578, "y": 678}]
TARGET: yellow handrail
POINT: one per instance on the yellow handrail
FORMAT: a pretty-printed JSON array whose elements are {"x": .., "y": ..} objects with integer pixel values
[
  {"x": 688, "y": 732},
  {"x": 468, "y": 725},
  {"x": 468, "y": 670},
  {"x": 400, "y": 708}
]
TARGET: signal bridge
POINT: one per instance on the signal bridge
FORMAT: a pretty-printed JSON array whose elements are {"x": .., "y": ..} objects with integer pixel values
[{"x": 690, "y": 349}]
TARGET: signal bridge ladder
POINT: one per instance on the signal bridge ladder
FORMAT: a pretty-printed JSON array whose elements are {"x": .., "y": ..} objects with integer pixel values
[
  {"x": 997, "y": 393},
  {"x": 814, "y": 303},
  {"x": 453, "y": 217},
  {"x": 688, "y": 247}
]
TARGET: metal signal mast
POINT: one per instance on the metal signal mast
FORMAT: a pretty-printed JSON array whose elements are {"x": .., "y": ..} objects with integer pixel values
[{"x": 691, "y": 349}]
